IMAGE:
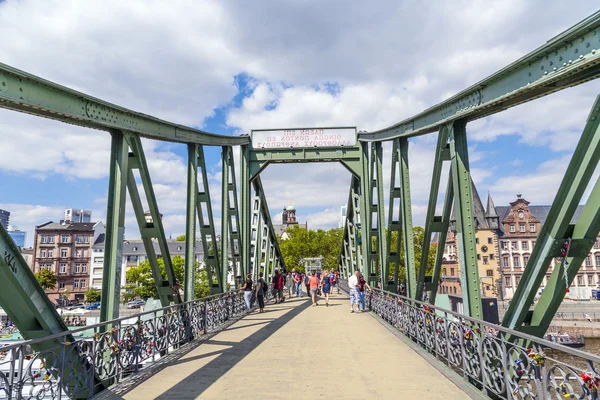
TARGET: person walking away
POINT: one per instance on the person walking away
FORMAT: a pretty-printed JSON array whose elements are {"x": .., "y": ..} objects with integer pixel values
[
  {"x": 326, "y": 285},
  {"x": 247, "y": 288},
  {"x": 362, "y": 284},
  {"x": 306, "y": 284},
  {"x": 313, "y": 283},
  {"x": 298, "y": 284},
  {"x": 337, "y": 278},
  {"x": 332, "y": 279},
  {"x": 278, "y": 283},
  {"x": 353, "y": 286},
  {"x": 289, "y": 284},
  {"x": 261, "y": 292}
]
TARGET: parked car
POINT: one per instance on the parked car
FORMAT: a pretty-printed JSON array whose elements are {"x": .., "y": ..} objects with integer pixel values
[
  {"x": 136, "y": 303},
  {"x": 93, "y": 306},
  {"x": 76, "y": 306}
]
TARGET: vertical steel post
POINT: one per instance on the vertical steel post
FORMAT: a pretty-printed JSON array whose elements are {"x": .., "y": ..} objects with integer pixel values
[
  {"x": 244, "y": 221},
  {"x": 465, "y": 224},
  {"x": 115, "y": 227},
  {"x": 379, "y": 234},
  {"x": 233, "y": 215},
  {"x": 190, "y": 223},
  {"x": 365, "y": 211},
  {"x": 406, "y": 212},
  {"x": 225, "y": 217},
  {"x": 394, "y": 223}
]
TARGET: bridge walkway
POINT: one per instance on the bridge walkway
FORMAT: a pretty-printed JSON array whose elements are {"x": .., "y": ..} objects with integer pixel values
[{"x": 295, "y": 351}]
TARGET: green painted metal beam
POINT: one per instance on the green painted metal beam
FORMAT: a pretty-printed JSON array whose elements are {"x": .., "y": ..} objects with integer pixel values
[
  {"x": 441, "y": 154},
  {"x": 364, "y": 209},
  {"x": 225, "y": 217},
  {"x": 555, "y": 230},
  {"x": 246, "y": 212},
  {"x": 465, "y": 223},
  {"x": 190, "y": 223},
  {"x": 115, "y": 227},
  {"x": 171, "y": 293},
  {"x": 233, "y": 216},
  {"x": 442, "y": 235},
  {"x": 394, "y": 215},
  {"x": 207, "y": 229},
  {"x": 378, "y": 212},
  {"x": 571, "y": 58},
  {"x": 33, "y": 95},
  {"x": 406, "y": 211}
]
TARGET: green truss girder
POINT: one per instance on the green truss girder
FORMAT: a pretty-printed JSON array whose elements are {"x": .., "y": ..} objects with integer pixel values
[
  {"x": 246, "y": 211},
  {"x": 30, "y": 94},
  {"x": 555, "y": 231},
  {"x": 256, "y": 237},
  {"x": 364, "y": 208},
  {"x": 230, "y": 228},
  {"x": 378, "y": 267},
  {"x": 394, "y": 221},
  {"x": 406, "y": 214},
  {"x": 351, "y": 254},
  {"x": 190, "y": 223},
  {"x": 168, "y": 290},
  {"x": 207, "y": 228},
  {"x": 36, "y": 317},
  {"x": 570, "y": 58}
]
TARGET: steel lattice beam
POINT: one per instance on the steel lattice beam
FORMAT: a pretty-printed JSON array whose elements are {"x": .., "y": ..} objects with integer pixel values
[
  {"x": 230, "y": 229},
  {"x": 569, "y": 59}
]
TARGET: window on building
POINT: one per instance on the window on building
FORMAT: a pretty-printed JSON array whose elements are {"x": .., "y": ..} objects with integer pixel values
[
  {"x": 597, "y": 244},
  {"x": 489, "y": 272},
  {"x": 64, "y": 239},
  {"x": 525, "y": 260},
  {"x": 517, "y": 279},
  {"x": 477, "y": 240},
  {"x": 490, "y": 240},
  {"x": 98, "y": 260},
  {"x": 452, "y": 271},
  {"x": 516, "y": 261},
  {"x": 82, "y": 283},
  {"x": 505, "y": 245},
  {"x": 43, "y": 253},
  {"x": 505, "y": 262},
  {"x": 511, "y": 228},
  {"x": 454, "y": 289},
  {"x": 590, "y": 279},
  {"x": 63, "y": 253},
  {"x": 479, "y": 256},
  {"x": 84, "y": 269},
  {"x": 178, "y": 248},
  {"x": 579, "y": 280},
  {"x": 77, "y": 268},
  {"x": 507, "y": 281},
  {"x": 86, "y": 239},
  {"x": 522, "y": 227},
  {"x": 531, "y": 227},
  {"x": 533, "y": 244},
  {"x": 597, "y": 260},
  {"x": 444, "y": 272},
  {"x": 50, "y": 253},
  {"x": 134, "y": 249},
  {"x": 524, "y": 245},
  {"x": 132, "y": 258},
  {"x": 78, "y": 253},
  {"x": 491, "y": 256},
  {"x": 485, "y": 260},
  {"x": 76, "y": 284},
  {"x": 62, "y": 268},
  {"x": 61, "y": 285},
  {"x": 78, "y": 239},
  {"x": 514, "y": 245},
  {"x": 521, "y": 214},
  {"x": 588, "y": 261}
]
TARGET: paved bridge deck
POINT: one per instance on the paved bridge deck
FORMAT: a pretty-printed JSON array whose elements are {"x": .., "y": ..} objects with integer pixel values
[{"x": 295, "y": 351}]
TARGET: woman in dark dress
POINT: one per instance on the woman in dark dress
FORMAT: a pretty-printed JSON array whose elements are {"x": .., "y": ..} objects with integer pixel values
[{"x": 326, "y": 285}]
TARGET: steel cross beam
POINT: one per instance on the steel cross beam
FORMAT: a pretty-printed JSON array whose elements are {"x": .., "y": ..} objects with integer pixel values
[
  {"x": 571, "y": 58},
  {"x": 30, "y": 94},
  {"x": 207, "y": 228},
  {"x": 230, "y": 228},
  {"x": 555, "y": 231},
  {"x": 150, "y": 231}
]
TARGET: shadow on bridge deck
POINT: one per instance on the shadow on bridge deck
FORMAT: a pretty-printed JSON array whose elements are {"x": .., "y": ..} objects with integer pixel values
[{"x": 294, "y": 351}]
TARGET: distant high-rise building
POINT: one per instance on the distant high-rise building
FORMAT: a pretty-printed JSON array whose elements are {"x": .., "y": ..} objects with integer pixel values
[
  {"x": 17, "y": 236},
  {"x": 76, "y": 215},
  {"x": 4, "y": 217},
  {"x": 343, "y": 211}
]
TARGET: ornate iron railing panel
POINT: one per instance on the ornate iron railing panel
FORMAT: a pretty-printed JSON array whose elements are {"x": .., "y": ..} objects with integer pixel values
[{"x": 114, "y": 350}]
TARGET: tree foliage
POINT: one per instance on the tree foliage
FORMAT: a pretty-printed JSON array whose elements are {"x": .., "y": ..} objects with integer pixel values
[
  {"x": 419, "y": 238},
  {"x": 92, "y": 295},
  {"x": 46, "y": 278},
  {"x": 180, "y": 238},
  {"x": 141, "y": 283},
  {"x": 303, "y": 243}
]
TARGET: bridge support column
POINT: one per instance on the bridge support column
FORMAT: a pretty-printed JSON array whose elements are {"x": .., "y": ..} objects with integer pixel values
[
  {"x": 190, "y": 223},
  {"x": 246, "y": 213},
  {"x": 233, "y": 217},
  {"x": 408, "y": 240},
  {"x": 365, "y": 266},
  {"x": 378, "y": 244}
]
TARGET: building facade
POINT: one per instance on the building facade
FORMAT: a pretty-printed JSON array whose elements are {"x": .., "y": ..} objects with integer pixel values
[
  {"x": 4, "y": 218},
  {"x": 77, "y": 215},
  {"x": 66, "y": 249},
  {"x": 288, "y": 219},
  {"x": 17, "y": 236}
]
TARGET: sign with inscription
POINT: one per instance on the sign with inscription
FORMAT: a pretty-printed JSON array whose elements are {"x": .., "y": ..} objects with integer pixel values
[{"x": 303, "y": 138}]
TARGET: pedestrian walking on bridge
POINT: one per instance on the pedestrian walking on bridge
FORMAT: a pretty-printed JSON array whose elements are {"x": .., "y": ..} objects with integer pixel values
[
  {"x": 354, "y": 294},
  {"x": 313, "y": 283}
]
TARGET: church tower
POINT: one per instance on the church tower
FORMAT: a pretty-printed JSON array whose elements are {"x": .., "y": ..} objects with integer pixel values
[{"x": 288, "y": 217}]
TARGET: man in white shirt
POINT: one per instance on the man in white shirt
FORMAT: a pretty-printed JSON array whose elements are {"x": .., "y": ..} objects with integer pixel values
[{"x": 354, "y": 294}]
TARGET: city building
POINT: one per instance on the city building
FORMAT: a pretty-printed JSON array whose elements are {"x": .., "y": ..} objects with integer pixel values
[
  {"x": 27, "y": 254},
  {"x": 66, "y": 249},
  {"x": 17, "y": 236},
  {"x": 4, "y": 218},
  {"x": 343, "y": 211},
  {"x": 288, "y": 219},
  {"x": 76, "y": 215}
]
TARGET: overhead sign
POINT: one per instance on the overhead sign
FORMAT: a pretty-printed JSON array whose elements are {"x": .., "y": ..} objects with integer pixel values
[{"x": 303, "y": 138}]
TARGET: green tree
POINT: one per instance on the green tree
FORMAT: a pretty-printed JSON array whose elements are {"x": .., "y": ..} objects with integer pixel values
[
  {"x": 92, "y": 295},
  {"x": 180, "y": 238},
  {"x": 46, "y": 278},
  {"x": 303, "y": 243},
  {"x": 419, "y": 239}
]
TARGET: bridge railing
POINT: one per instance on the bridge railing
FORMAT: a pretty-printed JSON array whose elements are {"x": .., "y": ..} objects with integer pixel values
[{"x": 111, "y": 350}]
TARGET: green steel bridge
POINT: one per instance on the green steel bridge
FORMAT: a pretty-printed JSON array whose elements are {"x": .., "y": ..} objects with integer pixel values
[{"x": 501, "y": 361}]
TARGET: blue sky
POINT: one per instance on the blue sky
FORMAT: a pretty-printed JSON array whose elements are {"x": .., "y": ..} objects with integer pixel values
[{"x": 229, "y": 67}]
